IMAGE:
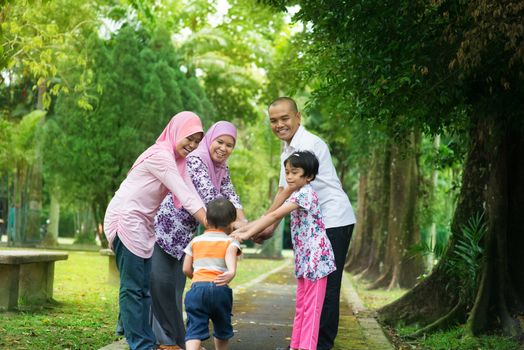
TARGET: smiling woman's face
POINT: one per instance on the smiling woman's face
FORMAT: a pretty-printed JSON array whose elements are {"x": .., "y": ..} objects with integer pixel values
[
  {"x": 221, "y": 148},
  {"x": 188, "y": 144}
]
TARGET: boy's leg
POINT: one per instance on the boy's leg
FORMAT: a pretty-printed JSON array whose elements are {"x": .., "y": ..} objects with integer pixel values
[
  {"x": 134, "y": 297},
  {"x": 314, "y": 294},
  {"x": 197, "y": 305},
  {"x": 221, "y": 344},
  {"x": 193, "y": 344},
  {"x": 222, "y": 306},
  {"x": 299, "y": 315}
]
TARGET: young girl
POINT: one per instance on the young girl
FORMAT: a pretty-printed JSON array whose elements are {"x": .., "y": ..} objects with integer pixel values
[{"x": 314, "y": 259}]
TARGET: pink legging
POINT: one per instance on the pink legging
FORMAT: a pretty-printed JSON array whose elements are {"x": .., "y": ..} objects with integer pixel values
[{"x": 310, "y": 298}]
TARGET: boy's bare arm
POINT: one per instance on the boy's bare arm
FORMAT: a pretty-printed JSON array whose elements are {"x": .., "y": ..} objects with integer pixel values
[
  {"x": 231, "y": 264},
  {"x": 187, "y": 267}
]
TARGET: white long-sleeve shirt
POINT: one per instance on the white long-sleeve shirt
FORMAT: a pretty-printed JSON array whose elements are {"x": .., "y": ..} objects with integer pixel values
[{"x": 334, "y": 202}]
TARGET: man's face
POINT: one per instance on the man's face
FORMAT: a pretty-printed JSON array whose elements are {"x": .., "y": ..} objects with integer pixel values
[{"x": 284, "y": 121}]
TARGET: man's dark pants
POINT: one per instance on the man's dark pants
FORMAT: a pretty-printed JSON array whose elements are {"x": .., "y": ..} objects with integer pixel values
[{"x": 340, "y": 238}]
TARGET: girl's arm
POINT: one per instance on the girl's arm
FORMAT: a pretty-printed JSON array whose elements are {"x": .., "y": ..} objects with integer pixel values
[
  {"x": 280, "y": 198},
  {"x": 260, "y": 224},
  {"x": 187, "y": 267},
  {"x": 231, "y": 264}
]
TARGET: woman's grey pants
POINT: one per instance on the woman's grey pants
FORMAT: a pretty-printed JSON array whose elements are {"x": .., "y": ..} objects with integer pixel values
[{"x": 167, "y": 287}]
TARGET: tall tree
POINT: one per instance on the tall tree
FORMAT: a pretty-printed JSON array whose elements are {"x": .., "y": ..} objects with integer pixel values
[
  {"x": 36, "y": 38},
  {"x": 444, "y": 65},
  {"x": 137, "y": 86}
]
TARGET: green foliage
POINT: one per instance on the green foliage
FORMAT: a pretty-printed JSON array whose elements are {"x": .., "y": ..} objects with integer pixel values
[
  {"x": 457, "y": 339},
  {"x": 465, "y": 259},
  {"x": 26, "y": 137},
  {"x": 136, "y": 87},
  {"x": 429, "y": 247},
  {"x": 230, "y": 51},
  {"x": 255, "y": 166},
  {"x": 6, "y": 130},
  {"x": 39, "y": 36}
]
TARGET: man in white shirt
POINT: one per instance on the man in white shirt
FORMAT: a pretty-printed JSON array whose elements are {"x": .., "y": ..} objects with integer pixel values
[{"x": 339, "y": 218}]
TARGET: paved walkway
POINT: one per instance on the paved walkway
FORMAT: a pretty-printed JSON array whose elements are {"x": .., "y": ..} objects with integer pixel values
[{"x": 263, "y": 314}]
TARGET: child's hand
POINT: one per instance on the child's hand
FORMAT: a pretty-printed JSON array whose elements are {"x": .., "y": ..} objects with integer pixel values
[{"x": 224, "y": 278}]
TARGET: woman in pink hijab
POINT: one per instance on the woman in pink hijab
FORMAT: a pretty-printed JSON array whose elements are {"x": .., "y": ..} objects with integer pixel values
[
  {"x": 128, "y": 222},
  {"x": 175, "y": 227}
]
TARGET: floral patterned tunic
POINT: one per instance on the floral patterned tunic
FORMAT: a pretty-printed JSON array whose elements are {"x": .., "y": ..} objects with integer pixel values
[
  {"x": 314, "y": 258},
  {"x": 174, "y": 227}
]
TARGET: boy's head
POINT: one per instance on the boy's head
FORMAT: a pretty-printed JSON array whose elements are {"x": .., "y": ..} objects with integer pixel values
[
  {"x": 304, "y": 160},
  {"x": 220, "y": 213}
]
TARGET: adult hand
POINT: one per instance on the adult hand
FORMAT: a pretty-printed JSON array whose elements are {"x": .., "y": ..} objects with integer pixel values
[
  {"x": 238, "y": 235},
  {"x": 268, "y": 232},
  {"x": 238, "y": 224},
  {"x": 262, "y": 236},
  {"x": 224, "y": 278}
]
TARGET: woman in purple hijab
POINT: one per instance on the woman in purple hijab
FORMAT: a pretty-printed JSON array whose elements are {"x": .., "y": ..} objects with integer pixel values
[{"x": 174, "y": 227}]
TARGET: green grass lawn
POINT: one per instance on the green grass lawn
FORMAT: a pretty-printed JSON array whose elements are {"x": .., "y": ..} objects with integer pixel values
[{"x": 86, "y": 307}]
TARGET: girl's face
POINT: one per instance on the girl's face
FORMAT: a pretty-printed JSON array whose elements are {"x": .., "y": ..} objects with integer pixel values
[
  {"x": 188, "y": 144},
  {"x": 221, "y": 148},
  {"x": 295, "y": 177}
]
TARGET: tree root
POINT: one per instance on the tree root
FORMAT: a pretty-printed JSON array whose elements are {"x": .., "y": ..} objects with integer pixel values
[{"x": 456, "y": 314}]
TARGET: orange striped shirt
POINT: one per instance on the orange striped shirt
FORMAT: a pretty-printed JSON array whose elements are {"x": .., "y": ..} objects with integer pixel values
[{"x": 209, "y": 251}]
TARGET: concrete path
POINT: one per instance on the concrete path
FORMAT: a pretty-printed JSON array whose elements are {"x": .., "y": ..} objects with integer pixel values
[{"x": 263, "y": 314}]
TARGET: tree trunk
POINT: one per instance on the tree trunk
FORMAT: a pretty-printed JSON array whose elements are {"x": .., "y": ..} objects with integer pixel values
[
  {"x": 500, "y": 290},
  {"x": 85, "y": 225},
  {"x": 432, "y": 231},
  {"x": 493, "y": 184},
  {"x": 19, "y": 193},
  {"x": 33, "y": 232},
  {"x": 402, "y": 271},
  {"x": 51, "y": 237},
  {"x": 368, "y": 246}
]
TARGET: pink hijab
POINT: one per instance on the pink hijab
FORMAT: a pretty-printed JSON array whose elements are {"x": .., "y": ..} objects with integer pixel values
[
  {"x": 181, "y": 125},
  {"x": 217, "y": 171}
]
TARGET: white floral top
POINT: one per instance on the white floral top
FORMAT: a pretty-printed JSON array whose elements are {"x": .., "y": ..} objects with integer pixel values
[
  {"x": 174, "y": 227},
  {"x": 314, "y": 258}
]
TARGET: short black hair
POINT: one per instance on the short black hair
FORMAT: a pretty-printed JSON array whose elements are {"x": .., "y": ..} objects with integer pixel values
[
  {"x": 220, "y": 213},
  {"x": 304, "y": 160},
  {"x": 289, "y": 100}
]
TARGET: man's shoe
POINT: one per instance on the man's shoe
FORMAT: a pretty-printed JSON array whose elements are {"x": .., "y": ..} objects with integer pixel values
[{"x": 169, "y": 347}]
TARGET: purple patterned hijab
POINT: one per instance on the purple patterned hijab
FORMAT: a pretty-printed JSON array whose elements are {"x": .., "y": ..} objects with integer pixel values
[{"x": 217, "y": 171}]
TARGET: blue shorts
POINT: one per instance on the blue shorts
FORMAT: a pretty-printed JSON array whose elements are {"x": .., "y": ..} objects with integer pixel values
[{"x": 206, "y": 301}]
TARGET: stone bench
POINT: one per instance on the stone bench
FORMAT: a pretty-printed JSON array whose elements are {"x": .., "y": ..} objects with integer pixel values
[
  {"x": 113, "y": 276},
  {"x": 26, "y": 277}
]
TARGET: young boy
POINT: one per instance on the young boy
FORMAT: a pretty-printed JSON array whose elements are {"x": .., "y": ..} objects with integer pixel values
[{"x": 211, "y": 261}]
